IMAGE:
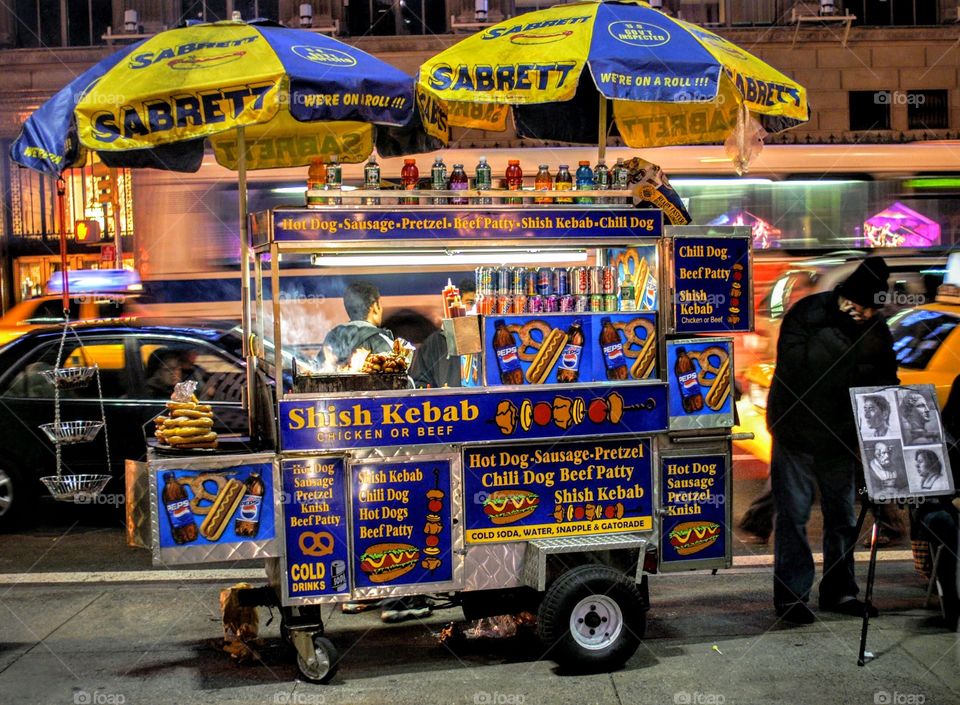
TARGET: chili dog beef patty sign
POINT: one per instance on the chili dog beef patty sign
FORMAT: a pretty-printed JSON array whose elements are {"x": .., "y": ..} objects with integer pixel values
[
  {"x": 349, "y": 422},
  {"x": 402, "y": 524},
  {"x": 315, "y": 527},
  {"x": 712, "y": 285},
  {"x": 693, "y": 498},
  {"x": 529, "y": 491}
]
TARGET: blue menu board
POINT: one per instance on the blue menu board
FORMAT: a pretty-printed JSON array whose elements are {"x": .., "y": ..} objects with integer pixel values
[
  {"x": 402, "y": 523},
  {"x": 713, "y": 285},
  {"x": 315, "y": 527},
  {"x": 700, "y": 373},
  {"x": 693, "y": 497},
  {"x": 530, "y": 491}
]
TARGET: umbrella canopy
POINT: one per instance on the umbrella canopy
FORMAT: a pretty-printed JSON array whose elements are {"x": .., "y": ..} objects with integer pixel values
[
  {"x": 671, "y": 82},
  {"x": 300, "y": 95}
]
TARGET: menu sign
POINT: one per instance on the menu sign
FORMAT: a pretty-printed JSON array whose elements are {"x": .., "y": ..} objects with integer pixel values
[
  {"x": 712, "y": 285},
  {"x": 694, "y": 501},
  {"x": 402, "y": 523},
  {"x": 700, "y": 371},
  {"x": 315, "y": 527},
  {"x": 524, "y": 492}
]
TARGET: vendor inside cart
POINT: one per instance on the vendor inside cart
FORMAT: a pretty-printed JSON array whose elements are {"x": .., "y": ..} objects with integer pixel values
[{"x": 362, "y": 302}]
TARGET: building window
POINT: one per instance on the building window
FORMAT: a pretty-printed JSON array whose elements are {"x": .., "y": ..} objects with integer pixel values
[
  {"x": 928, "y": 110},
  {"x": 869, "y": 110},
  {"x": 893, "y": 12}
]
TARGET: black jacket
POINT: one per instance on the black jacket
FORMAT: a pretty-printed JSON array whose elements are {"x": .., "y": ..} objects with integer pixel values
[
  {"x": 431, "y": 367},
  {"x": 821, "y": 354}
]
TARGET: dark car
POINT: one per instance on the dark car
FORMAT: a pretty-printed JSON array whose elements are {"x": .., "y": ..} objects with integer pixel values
[{"x": 137, "y": 368}]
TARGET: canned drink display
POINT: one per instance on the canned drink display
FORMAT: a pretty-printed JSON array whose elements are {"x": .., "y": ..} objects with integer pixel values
[
  {"x": 581, "y": 304},
  {"x": 567, "y": 304},
  {"x": 580, "y": 281},
  {"x": 596, "y": 281},
  {"x": 551, "y": 304},
  {"x": 531, "y": 282},
  {"x": 609, "y": 279},
  {"x": 561, "y": 281},
  {"x": 503, "y": 281},
  {"x": 609, "y": 302},
  {"x": 485, "y": 281},
  {"x": 518, "y": 281},
  {"x": 504, "y": 304},
  {"x": 535, "y": 303},
  {"x": 596, "y": 302},
  {"x": 486, "y": 304},
  {"x": 519, "y": 303},
  {"x": 545, "y": 281}
]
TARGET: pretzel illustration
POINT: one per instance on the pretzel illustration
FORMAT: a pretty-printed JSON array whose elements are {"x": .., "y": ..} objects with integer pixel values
[
  {"x": 635, "y": 342},
  {"x": 531, "y": 335},
  {"x": 711, "y": 360},
  {"x": 200, "y": 493}
]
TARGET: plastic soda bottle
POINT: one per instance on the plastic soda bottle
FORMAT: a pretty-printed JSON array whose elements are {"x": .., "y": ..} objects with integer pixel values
[
  {"x": 543, "y": 182},
  {"x": 601, "y": 176},
  {"x": 584, "y": 180},
  {"x": 569, "y": 369},
  {"x": 438, "y": 178},
  {"x": 685, "y": 371},
  {"x": 619, "y": 177},
  {"x": 316, "y": 180},
  {"x": 484, "y": 178},
  {"x": 514, "y": 175},
  {"x": 248, "y": 516},
  {"x": 612, "y": 348},
  {"x": 334, "y": 177},
  {"x": 508, "y": 359},
  {"x": 563, "y": 182},
  {"x": 371, "y": 178},
  {"x": 459, "y": 182},
  {"x": 183, "y": 528},
  {"x": 409, "y": 176}
]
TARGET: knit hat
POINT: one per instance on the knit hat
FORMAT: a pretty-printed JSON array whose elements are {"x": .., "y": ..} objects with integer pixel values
[{"x": 867, "y": 284}]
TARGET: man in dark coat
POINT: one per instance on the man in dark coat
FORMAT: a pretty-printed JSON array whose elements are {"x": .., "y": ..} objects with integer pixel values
[
  {"x": 362, "y": 302},
  {"x": 828, "y": 343}
]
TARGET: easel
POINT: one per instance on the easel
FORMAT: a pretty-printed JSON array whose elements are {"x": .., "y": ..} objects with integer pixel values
[{"x": 867, "y": 505}]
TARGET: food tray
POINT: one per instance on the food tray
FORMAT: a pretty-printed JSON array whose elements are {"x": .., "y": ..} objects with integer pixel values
[
  {"x": 73, "y": 488},
  {"x": 69, "y": 377},
  {"x": 72, "y": 431},
  {"x": 316, "y": 383}
]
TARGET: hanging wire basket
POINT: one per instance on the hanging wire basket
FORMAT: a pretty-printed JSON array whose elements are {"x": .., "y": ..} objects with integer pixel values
[
  {"x": 75, "y": 488},
  {"x": 66, "y": 432},
  {"x": 69, "y": 377}
]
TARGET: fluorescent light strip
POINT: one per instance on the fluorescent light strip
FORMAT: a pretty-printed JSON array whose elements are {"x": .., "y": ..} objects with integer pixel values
[{"x": 451, "y": 258}]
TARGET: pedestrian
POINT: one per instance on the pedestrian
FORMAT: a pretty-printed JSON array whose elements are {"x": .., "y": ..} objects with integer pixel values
[
  {"x": 828, "y": 343},
  {"x": 433, "y": 366},
  {"x": 362, "y": 301}
]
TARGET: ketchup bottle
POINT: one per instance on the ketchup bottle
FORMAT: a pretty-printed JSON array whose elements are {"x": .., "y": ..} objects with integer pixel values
[{"x": 409, "y": 176}]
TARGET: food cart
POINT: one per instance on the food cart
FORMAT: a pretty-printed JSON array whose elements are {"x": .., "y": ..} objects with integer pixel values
[{"x": 588, "y": 447}]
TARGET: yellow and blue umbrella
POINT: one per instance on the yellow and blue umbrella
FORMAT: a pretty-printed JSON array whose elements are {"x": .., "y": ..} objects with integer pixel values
[
  {"x": 298, "y": 95},
  {"x": 671, "y": 82}
]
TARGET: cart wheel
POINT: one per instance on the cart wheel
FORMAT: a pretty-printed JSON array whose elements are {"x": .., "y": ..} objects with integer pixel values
[
  {"x": 322, "y": 666},
  {"x": 285, "y": 633},
  {"x": 592, "y": 618}
]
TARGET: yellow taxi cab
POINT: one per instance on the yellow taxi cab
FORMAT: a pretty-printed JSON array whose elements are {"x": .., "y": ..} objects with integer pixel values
[{"x": 926, "y": 340}]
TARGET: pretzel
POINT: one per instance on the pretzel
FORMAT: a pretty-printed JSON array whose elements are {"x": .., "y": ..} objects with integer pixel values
[
  {"x": 191, "y": 414},
  {"x": 202, "y": 435},
  {"x": 198, "y": 487},
  {"x": 184, "y": 422},
  {"x": 646, "y": 361},
  {"x": 529, "y": 345},
  {"x": 720, "y": 389},
  {"x": 708, "y": 368},
  {"x": 546, "y": 356},
  {"x": 228, "y": 499}
]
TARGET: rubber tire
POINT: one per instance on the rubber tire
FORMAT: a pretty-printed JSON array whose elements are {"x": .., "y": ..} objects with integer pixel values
[
  {"x": 553, "y": 620},
  {"x": 320, "y": 643},
  {"x": 19, "y": 496}
]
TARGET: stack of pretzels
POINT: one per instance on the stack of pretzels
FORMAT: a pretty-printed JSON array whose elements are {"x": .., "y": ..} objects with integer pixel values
[{"x": 186, "y": 424}]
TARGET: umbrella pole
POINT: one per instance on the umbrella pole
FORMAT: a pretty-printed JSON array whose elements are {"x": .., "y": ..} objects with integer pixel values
[
  {"x": 64, "y": 279},
  {"x": 602, "y": 136},
  {"x": 245, "y": 314}
]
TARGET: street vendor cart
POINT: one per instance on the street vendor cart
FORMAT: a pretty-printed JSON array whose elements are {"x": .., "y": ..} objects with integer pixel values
[{"x": 588, "y": 446}]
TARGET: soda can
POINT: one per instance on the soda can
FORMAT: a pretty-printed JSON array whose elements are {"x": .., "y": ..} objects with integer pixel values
[
  {"x": 609, "y": 302},
  {"x": 551, "y": 303},
  {"x": 596, "y": 302},
  {"x": 596, "y": 281},
  {"x": 535, "y": 304},
  {"x": 518, "y": 281},
  {"x": 486, "y": 304},
  {"x": 561, "y": 281},
  {"x": 580, "y": 281},
  {"x": 503, "y": 281},
  {"x": 581, "y": 303},
  {"x": 504, "y": 304},
  {"x": 545, "y": 281},
  {"x": 609, "y": 283},
  {"x": 567, "y": 303},
  {"x": 485, "y": 284},
  {"x": 531, "y": 282},
  {"x": 519, "y": 303}
]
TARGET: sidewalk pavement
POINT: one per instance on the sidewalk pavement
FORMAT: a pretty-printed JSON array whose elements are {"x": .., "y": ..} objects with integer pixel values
[{"x": 711, "y": 640}]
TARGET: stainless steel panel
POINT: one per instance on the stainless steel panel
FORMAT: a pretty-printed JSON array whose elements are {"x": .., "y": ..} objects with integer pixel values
[
  {"x": 535, "y": 557},
  {"x": 493, "y": 566},
  {"x": 137, "y": 480}
]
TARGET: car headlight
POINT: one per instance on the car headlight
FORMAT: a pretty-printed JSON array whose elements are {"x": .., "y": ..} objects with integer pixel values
[{"x": 757, "y": 395}]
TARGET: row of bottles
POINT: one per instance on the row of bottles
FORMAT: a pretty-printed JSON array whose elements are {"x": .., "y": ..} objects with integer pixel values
[{"x": 327, "y": 176}]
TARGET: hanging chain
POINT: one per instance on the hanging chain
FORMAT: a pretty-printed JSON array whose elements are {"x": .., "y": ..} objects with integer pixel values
[
  {"x": 103, "y": 418},
  {"x": 56, "y": 394}
]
